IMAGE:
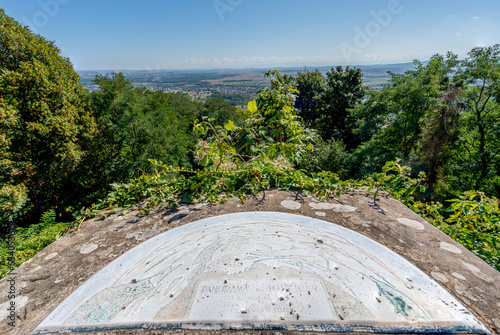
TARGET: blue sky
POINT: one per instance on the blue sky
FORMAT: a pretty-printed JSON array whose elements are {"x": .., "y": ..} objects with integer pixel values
[{"x": 188, "y": 34}]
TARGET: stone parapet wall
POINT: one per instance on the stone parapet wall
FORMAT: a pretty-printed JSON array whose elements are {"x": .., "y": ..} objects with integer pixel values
[{"x": 47, "y": 279}]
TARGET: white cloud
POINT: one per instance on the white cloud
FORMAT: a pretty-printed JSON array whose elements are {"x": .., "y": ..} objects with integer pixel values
[{"x": 474, "y": 18}]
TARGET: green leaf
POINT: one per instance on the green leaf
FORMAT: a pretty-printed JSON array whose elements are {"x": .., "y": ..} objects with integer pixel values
[
  {"x": 252, "y": 106},
  {"x": 195, "y": 186},
  {"x": 129, "y": 202},
  {"x": 205, "y": 160},
  {"x": 230, "y": 126}
]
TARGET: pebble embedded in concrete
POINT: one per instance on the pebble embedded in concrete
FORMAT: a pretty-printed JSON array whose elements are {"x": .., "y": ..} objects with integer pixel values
[
  {"x": 497, "y": 322},
  {"x": 36, "y": 269},
  {"x": 52, "y": 255},
  {"x": 471, "y": 267},
  {"x": 411, "y": 223},
  {"x": 458, "y": 275},
  {"x": 440, "y": 277},
  {"x": 450, "y": 247},
  {"x": 483, "y": 276},
  {"x": 290, "y": 204},
  {"x": 321, "y": 205},
  {"x": 88, "y": 248},
  {"x": 343, "y": 208}
]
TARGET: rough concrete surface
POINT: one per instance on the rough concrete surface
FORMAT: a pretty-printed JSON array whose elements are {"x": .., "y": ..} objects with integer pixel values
[{"x": 48, "y": 278}]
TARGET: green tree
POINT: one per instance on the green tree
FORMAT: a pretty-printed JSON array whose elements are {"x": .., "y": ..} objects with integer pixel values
[
  {"x": 45, "y": 115},
  {"x": 13, "y": 191},
  {"x": 412, "y": 119},
  {"x": 274, "y": 127},
  {"x": 327, "y": 156},
  {"x": 310, "y": 103},
  {"x": 324, "y": 102},
  {"x": 110, "y": 85},
  {"x": 344, "y": 90},
  {"x": 390, "y": 119},
  {"x": 221, "y": 111},
  {"x": 481, "y": 119},
  {"x": 440, "y": 123},
  {"x": 135, "y": 125},
  {"x": 150, "y": 128}
]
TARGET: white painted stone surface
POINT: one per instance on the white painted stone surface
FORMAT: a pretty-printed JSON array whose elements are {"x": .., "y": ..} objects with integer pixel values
[
  {"x": 253, "y": 270},
  {"x": 261, "y": 300}
]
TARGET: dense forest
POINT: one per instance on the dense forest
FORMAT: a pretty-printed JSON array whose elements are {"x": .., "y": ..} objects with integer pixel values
[{"x": 430, "y": 137}]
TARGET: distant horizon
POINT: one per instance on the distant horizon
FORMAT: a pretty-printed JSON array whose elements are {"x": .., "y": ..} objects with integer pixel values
[{"x": 251, "y": 68}]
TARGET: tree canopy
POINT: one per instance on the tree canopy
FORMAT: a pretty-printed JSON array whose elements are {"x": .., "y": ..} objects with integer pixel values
[
  {"x": 44, "y": 116},
  {"x": 324, "y": 102},
  {"x": 442, "y": 117}
]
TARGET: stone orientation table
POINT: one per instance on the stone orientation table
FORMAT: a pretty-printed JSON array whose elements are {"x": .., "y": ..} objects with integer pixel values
[{"x": 226, "y": 268}]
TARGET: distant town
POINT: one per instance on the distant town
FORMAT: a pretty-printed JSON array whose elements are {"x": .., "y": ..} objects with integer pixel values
[{"x": 237, "y": 86}]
